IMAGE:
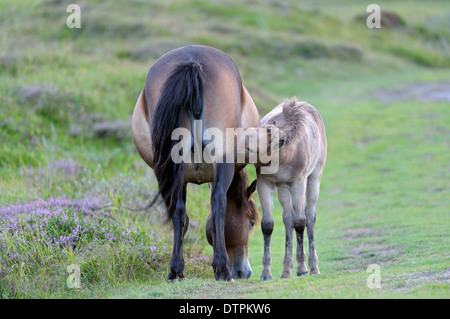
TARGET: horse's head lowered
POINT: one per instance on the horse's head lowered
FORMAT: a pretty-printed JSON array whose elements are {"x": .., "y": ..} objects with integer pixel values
[{"x": 240, "y": 217}]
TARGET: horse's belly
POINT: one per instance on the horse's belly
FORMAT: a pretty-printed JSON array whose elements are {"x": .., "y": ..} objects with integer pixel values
[{"x": 198, "y": 173}]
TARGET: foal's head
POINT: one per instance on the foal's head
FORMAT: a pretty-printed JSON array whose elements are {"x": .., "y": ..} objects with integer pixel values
[
  {"x": 279, "y": 127},
  {"x": 258, "y": 144},
  {"x": 241, "y": 215}
]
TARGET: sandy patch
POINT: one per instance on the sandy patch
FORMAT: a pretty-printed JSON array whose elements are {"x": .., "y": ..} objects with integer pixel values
[{"x": 422, "y": 92}]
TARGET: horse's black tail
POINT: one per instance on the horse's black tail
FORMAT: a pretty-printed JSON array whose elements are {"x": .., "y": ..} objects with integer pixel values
[{"x": 182, "y": 95}]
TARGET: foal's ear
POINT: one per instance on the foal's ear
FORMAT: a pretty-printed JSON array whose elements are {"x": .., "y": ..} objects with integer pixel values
[{"x": 251, "y": 189}]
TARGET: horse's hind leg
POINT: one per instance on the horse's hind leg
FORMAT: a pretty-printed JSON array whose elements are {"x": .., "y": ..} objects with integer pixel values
[
  {"x": 265, "y": 192},
  {"x": 180, "y": 223},
  {"x": 312, "y": 194},
  {"x": 298, "y": 190}
]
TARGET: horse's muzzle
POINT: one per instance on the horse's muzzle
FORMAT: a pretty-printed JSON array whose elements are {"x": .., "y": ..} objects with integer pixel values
[{"x": 242, "y": 272}]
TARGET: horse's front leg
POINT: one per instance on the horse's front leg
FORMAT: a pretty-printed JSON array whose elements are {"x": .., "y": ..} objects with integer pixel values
[
  {"x": 284, "y": 196},
  {"x": 265, "y": 191},
  {"x": 180, "y": 223},
  {"x": 223, "y": 175}
]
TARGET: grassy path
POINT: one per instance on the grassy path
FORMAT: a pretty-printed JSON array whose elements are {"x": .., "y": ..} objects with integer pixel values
[{"x": 65, "y": 146}]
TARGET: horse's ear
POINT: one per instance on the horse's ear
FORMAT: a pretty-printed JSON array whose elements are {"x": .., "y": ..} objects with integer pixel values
[{"x": 251, "y": 189}]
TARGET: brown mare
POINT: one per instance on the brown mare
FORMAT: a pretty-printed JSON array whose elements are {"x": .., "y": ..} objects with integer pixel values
[
  {"x": 188, "y": 84},
  {"x": 301, "y": 160}
]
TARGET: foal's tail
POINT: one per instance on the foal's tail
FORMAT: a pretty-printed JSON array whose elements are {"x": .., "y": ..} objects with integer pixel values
[{"x": 182, "y": 95}]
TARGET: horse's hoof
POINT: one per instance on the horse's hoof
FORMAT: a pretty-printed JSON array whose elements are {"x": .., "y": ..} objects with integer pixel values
[
  {"x": 224, "y": 275},
  {"x": 172, "y": 277},
  {"x": 266, "y": 277},
  {"x": 302, "y": 274}
]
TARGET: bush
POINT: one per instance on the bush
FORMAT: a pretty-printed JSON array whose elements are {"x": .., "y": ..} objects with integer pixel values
[{"x": 39, "y": 240}]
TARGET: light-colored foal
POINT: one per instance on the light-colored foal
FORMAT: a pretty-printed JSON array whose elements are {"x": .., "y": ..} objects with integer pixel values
[{"x": 301, "y": 161}]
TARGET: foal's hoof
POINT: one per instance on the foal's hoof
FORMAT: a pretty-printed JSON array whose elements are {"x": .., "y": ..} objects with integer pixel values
[
  {"x": 266, "y": 277},
  {"x": 302, "y": 274}
]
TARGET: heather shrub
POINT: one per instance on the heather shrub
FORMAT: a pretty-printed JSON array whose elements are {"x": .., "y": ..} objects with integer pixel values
[{"x": 39, "y": 240}]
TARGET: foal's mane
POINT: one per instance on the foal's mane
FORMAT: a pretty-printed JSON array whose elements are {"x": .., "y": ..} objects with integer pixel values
[
  {"x": 290, "y": 120},
  {"x": 238, "y": 192}
]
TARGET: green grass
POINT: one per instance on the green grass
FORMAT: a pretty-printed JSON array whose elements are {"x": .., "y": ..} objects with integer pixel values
[{"x": 384, "y": 196}]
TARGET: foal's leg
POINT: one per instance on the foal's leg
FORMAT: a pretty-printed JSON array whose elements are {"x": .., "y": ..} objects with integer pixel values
[
  {"x": 284, "y": 196},
  {"x": 298, "y": 203},
  {"x": 312, "y": 194},
  {"x": 223, "y": 175},
  {"x": 180, "y": 223},
  {"x": 265, "y": 192}
]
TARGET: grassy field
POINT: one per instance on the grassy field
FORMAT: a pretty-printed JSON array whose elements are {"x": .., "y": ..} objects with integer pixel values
[{"x": 69, "y": 169}]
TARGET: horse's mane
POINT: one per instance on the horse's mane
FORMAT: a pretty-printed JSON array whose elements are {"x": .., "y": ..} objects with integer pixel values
[
  {"x": 290, "y": 121},
  {"x": 238, "y": 192}
]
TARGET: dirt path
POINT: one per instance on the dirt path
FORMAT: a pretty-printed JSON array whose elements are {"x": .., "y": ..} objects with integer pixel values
[{"x": 423, "y": 92}]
